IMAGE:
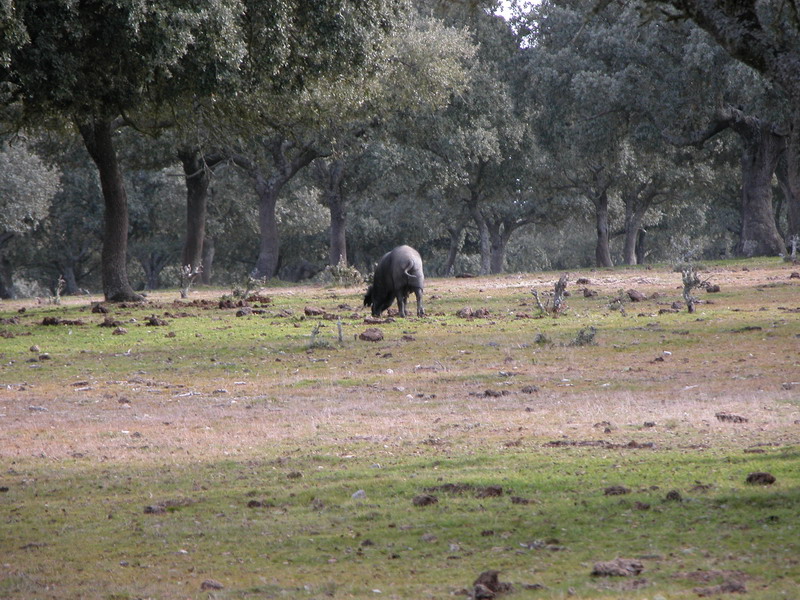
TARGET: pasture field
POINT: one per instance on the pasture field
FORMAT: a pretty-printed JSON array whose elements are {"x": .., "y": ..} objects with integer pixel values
[{"x": 183, "y": 451}]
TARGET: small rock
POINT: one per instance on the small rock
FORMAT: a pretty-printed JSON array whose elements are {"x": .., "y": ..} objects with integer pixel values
[
  {"x": 616, "y": 490},
  {"x": 465, "y": 313},
  {"x": 674, "y": 496},
  {"x": 211, "y": 584},
  {"x": 313, "y": 311},
  {"x": 530, "y": 389},
  {"x": 649, "y": 424},
  {"x": 794, "y": 275},
  {"x": 587, "y": 293},
  {"x": 373, "y": 334},
  {"x": 34, "y": 349},
  {"x": 712, "y": 289},
  {"x": 636, "y": 295},
  {"x": 491, "y": 582},
  {"x": 729, "y": 587},
  {"x": 424, "y": 500},
  {"x": 760, "y": 478},
  {"x": 619, "y": 567},
  {"x": 729, "y": 418},
  {"x": 119, "y": 331},
  {"x": 359, "y": 495}
]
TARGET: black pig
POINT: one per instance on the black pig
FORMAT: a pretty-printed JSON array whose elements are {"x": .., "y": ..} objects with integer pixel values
[{"x": 398, "y": 273}]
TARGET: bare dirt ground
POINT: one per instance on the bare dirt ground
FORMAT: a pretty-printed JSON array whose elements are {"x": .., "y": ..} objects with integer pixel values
[{"x": 660, "y": 376}]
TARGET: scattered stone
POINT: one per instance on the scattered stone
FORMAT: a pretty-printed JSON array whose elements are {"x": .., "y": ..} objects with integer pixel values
[
  {"x": 211, "y": 584},
  {"x": 429, "y": 537},
  {"x": 530, "y": 389},
  {"x": 465, "y": 313},
  {"x": 760, "y": 478},
  {"x": 674, "y": 496},
  {"x": 373, "y": 334},
  {"x": 313, "y": 311},
  {"x": 119, "y": 331},
  {"x": 359, "y": 495},
  {"x": 255, "y": 504},
  {"x": 582, "y": 281},
  {"x": 244, "y": 311},
  {"x": 110, "y": 322},
  {"x": 794, "y": 275},
  {"x": 99, "y": 309},
  {"x": 713, "y": 288},
  {"x": 154, "y": 321},
  {"x": 519, "y": 500},
  {"x": 636, "y": 295},
  {"x": 729, "y": 587},
  {"x": 489, "y": 491},
  {"x": 641, "y": 505},
  {"x": 616, "y": 490},
  {"x": 649, "y": 424},
  {"x": 294, "y": 475},
  {"x": 424, "y": 500},
  {"x": 619, "y": 567},
  {"x": 729, "y": 418},
  {"x": 489, "y": 581},
  {"x": 587, "y": 293},
  {"x": 481, "y": 313}
]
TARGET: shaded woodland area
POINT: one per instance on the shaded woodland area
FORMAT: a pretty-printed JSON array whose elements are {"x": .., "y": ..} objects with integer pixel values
[{"x": 162, "y": 144}]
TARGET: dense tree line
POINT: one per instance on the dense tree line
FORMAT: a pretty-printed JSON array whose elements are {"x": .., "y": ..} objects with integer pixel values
[{"x": 160, "y": 143}]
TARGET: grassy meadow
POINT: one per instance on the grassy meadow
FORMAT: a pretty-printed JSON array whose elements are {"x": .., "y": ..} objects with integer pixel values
[{"x": 193, "y": 449}]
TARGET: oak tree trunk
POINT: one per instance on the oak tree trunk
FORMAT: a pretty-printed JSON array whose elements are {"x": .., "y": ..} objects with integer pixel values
[
  {"x": 456, "y": 241},
  {"x": 97, "y": 137},
  {"x": 759, "y": 235},
  {"x": 6, "y": 270},
  {"x": 208, "y": 260},
  {"x": 197, "y": 177},
  {"x": 602, "y": 249},
  {"x": 269, "y": 246}
]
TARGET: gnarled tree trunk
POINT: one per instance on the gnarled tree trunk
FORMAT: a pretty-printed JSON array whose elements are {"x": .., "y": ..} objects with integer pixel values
[
  {"x": 763, "y": 148},
  {"x": 602, "y": 249},
  {"x": 197, "y": 174},
  {"x": 97, "y": 137}
]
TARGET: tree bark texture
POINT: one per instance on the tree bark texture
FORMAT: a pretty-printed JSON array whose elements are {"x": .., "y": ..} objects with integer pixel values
[
  {"x": 602, "y": 249},
  {"x": 637, "y": 201},
  {"x": 269, "y": 246},
  {"x": 198, "y": 178},
  {"x": 485, "y": 241},
  {"x": 6, "y": 270},
  {"x": 287, "y": 159},
  {"x": 763, "y": 148},
  {"x": 792, "y": 182},
  {"x": 208, "y": 260},
  {"x": 456, "y": 235},
  {"x": 97, "y": 137},
  {"x": 330, "y": 175},
  {"x": 598, "y": 194}
]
